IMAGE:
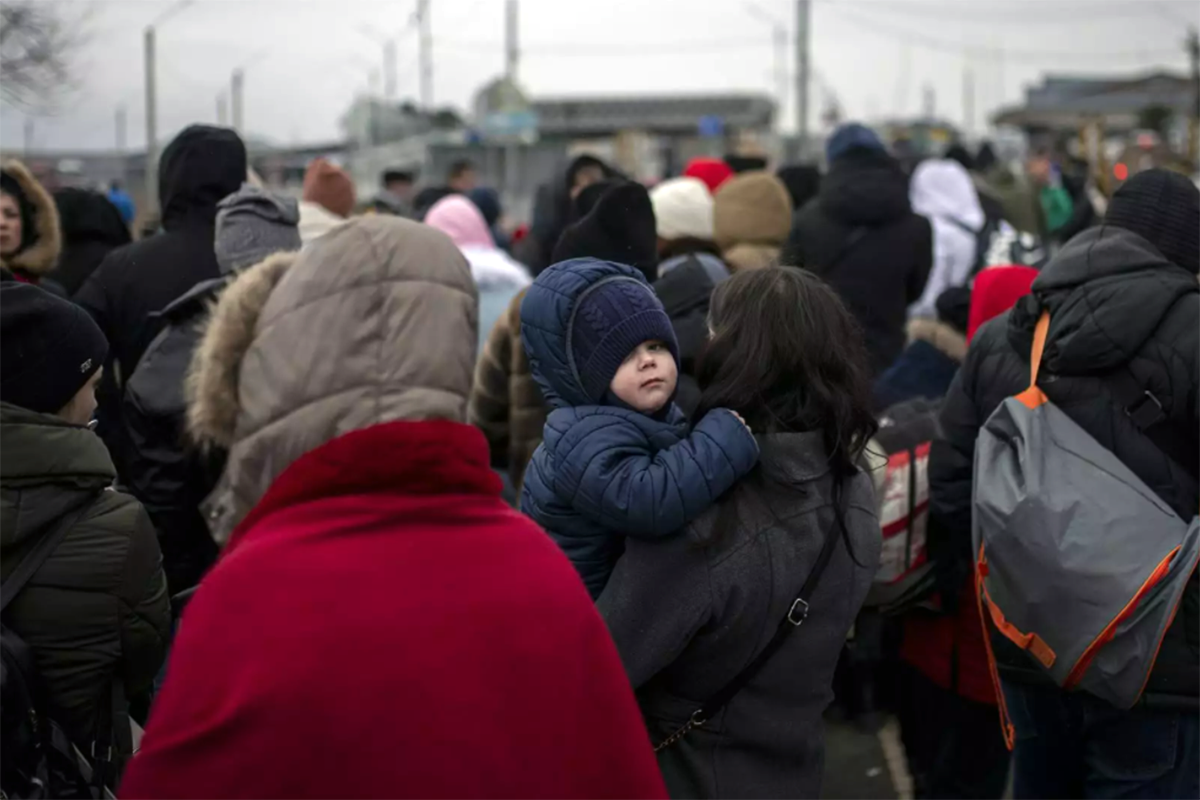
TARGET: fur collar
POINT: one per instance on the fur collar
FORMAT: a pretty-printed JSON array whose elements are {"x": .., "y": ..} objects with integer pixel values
[
  {"x": 947, "y": 340},
  {"x": 41, "y": 256},
  {"x": 212, "y": 381}
]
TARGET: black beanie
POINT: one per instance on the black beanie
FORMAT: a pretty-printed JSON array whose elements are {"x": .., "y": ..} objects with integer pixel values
[
  {"x": 620, "y": 228},
  {"x": 1162, "y": 207},
  {"x": 49, "y": 348}
]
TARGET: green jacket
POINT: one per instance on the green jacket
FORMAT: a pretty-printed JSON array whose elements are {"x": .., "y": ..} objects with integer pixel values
[{"x": 99, "y": 603}]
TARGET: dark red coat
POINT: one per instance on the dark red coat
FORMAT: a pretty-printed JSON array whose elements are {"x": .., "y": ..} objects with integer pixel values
[{"x": 383, "y": 625}]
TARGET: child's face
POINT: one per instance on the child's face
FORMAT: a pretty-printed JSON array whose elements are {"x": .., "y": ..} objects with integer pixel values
[{"x": 646, "y": 379}]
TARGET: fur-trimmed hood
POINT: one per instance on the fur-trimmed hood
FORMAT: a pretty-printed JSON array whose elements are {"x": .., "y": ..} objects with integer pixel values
[
  {"x": 373, "y": 322},
  {"x": 41, "y": 250},
  {"x": 946, "y": 339}
]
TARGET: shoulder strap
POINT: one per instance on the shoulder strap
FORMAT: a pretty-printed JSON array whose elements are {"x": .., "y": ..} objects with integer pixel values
[
  {"x": 852, "y": 239},
  {"x": 797, "y": 613},
  {"x": 1146, "y": 413},
  {"x": 41, "y": 551}
]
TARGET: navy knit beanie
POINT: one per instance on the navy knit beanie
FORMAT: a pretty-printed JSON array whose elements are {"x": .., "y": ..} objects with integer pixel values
[
  {"x": 610, "y": 319},
  {"x": 852, "y": 136},
  {"x": 1162, "y": 207},
  {"x": 49, "y": 348}
]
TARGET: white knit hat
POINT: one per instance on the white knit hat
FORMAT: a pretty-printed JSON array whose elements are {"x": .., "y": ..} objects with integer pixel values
[{"x": 683, "y": 208}]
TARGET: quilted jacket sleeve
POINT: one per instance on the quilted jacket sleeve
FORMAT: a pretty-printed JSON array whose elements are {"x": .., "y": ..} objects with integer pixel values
[
  {"x": 145, "y": 608},
  {"x": 952, "y": 464},
  {"x": 611, "y": 474},
  {"x": 489, "y": 405}
]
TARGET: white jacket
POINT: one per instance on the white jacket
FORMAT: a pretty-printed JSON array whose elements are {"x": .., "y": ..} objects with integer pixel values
[{"x": 942, "y": 191}]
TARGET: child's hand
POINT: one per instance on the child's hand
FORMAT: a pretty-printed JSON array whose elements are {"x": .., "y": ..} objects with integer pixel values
[{"x": 739, "y": 418}]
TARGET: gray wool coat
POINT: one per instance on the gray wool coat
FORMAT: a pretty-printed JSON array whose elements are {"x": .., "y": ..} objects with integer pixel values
[{"x": 689, "y": 612}]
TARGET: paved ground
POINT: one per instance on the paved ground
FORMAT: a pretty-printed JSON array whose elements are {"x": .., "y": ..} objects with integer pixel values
[{"x": 867, "y": 766}]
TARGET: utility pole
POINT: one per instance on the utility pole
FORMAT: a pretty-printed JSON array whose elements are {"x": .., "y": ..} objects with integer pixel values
[
  {"x": 27, "y": 144},
  {"x": 120, "y": 129},
  {"x": 426, "y": 47},
  {"x": 151, "y": 122},
  {"x": 120, "y": 132},
  {"x": 802, "y": 36},
  {"x": 512, "y": 45},
  {"x": 968, "y": 97},
  {"x": 1193, "y": 47},
  {"x": 235, "y": 99},
  {"x": 390, "y": 78},
  {"x": 779, "y": 36},
  {"x": 928, "y": 102},
  {"x": 222, "y": 109}
]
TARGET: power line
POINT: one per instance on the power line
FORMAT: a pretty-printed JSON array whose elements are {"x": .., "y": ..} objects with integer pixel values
[
  {"x": 985, "y": 51},
  {"x": 621, "y": 49},
  {"x": 1030, "y": 14}
]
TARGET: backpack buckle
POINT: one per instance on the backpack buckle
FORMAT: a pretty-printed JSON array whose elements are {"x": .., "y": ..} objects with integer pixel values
[
  {"x": 798, "y": 612},
  {"x": 107, "y": 753},
  {"x": 1147, "y": 411}
]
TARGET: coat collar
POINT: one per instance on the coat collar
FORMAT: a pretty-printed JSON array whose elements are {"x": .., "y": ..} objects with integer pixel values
[{"x": 433, "y": 457}]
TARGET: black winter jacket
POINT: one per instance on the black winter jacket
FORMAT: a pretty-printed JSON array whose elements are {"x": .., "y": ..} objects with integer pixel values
[
  {"x": 200, "y": 167},
  {"x": 170, "y": 476},
  {"x": 1115, "y": 303},
  {"x": 98, "y": 606},
  {"x": 91, "y": 229},
  {"x": 685, "y": 292},
  {"x": 883, "y": 272}
]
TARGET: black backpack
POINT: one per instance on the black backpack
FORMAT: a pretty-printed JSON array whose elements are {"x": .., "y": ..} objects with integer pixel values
[
  {"x": 983, "y": 241},
  {"x": 38, "y": 758}
]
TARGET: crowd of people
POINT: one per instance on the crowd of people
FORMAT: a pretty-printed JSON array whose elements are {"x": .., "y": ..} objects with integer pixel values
[{"x": 390, "y": 499}]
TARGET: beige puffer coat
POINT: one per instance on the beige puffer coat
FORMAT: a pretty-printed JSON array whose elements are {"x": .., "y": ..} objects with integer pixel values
[{"x": 373, "y": 322}]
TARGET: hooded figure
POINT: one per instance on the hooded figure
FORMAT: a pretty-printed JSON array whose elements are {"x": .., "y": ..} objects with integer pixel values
[
  {"x": 605, "y": 469},
  {"x": 91, "y": 228},
  {"x": 96, "y": 610},
  {"x": 1124, "y": 303},
  {"x": 496, "y": 275},
  {"x": 619, "y": 227},
  {"x": 752, "y": 214},
  {"x": 197, "y": 169},
  {"x": 30, "y": 239},
  {"x": 861, "y": 236},
  {"x": 168, "y": 474},
  {"x": 942, "y": 192},
  {"x": 316, "y": 370},
  {"x": 552, "y": 210}
]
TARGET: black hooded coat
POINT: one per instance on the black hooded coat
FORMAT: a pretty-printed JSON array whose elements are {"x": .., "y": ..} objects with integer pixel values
[
  {"x": 91, "y": 229},
  {"x": 861, "y": 235},
  {"x": 202, "y": 165}
]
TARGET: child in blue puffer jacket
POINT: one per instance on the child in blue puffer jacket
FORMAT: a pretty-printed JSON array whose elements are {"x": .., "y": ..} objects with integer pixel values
[{"x": 618, "y": 458}]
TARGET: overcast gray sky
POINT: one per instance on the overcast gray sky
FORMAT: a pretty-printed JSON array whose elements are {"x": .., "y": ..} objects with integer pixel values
[{"x": 310, "y": 56}]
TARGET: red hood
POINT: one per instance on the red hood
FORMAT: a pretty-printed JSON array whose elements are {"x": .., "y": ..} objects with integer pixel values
[
  {"x": 408, "y": 458},
  {"x": 385, "y": 626}
]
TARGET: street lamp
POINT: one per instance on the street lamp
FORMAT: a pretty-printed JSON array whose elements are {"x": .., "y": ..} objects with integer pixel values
[{"x": 152, "y": 98}]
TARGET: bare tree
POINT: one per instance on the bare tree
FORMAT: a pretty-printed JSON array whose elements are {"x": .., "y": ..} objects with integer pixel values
[{"x": 39, "y": 42}]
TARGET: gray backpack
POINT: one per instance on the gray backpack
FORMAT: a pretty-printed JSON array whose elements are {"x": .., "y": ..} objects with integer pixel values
[{"x": 1079, "y": 563}]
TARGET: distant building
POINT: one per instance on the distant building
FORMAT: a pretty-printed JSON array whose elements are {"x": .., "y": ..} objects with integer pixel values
[
  {"x": 1065, "y": 103},
  {"x": 654, "y": 135}
]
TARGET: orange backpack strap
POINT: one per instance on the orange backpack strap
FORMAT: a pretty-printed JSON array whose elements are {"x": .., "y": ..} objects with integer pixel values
[{"x": 1033, "y": 396}]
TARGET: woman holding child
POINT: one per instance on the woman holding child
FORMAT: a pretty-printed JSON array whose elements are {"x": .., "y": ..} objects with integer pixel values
[{"x": 689, "y": 612}]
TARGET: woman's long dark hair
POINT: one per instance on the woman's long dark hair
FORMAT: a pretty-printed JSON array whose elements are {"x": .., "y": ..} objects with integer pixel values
[{"x": 786, "y": 355}]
